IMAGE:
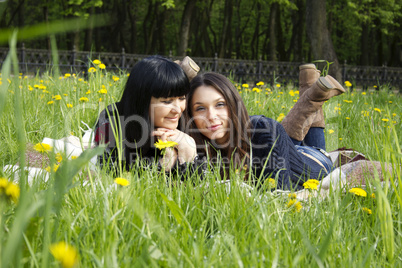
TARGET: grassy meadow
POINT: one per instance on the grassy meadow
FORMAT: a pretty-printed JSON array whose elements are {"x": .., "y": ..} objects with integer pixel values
[{"x": 193, "y": 224}]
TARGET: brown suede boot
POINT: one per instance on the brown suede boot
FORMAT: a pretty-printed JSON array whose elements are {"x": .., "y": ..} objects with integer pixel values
[
  {"x": 308, "y": 74},
  {"x": 189, "y": 66},
  {"x": 299, "y": 119}
]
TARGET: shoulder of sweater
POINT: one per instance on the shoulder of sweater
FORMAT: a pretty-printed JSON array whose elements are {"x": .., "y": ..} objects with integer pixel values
[{"x": 260, "y": 121}]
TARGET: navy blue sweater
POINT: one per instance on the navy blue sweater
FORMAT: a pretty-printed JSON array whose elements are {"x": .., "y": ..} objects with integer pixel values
[{"x": 269, "y": 140}]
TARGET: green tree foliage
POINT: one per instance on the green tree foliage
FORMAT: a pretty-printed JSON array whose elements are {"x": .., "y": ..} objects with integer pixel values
[{"x": 363, "y": 32}]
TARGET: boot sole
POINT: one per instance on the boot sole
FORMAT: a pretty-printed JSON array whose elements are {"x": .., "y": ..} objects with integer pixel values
[
  {"x": 308, "y": 66},
  {"x": 327, "y": 86}
]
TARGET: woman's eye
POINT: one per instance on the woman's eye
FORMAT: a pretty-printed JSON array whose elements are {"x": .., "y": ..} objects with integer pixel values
[
  {"x": 182, "y": 98},
  {"x": 167, "y": 102},
  {"x": 199, "y": 108},
  {"x": 220, "y": 104}
]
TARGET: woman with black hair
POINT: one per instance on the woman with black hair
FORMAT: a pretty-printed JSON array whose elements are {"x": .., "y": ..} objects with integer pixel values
[{"x": 151, "y": 106}]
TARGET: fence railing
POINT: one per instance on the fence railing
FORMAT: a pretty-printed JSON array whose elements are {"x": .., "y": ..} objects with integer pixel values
[{"x": 40, "y": 60}]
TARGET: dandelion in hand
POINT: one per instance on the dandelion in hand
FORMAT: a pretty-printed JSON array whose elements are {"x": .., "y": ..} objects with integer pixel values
[{"x": 165, "y": 144}]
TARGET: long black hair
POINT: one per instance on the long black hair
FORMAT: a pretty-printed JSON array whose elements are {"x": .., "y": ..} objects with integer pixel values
[{"x": 153, "y": 76}]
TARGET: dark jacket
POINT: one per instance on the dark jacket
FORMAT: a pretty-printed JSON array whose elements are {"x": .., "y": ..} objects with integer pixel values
[{"x": 269, "y": 140}]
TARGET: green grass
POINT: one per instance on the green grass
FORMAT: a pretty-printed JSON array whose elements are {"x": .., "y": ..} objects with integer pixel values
[{"x": 191, "y": 224}]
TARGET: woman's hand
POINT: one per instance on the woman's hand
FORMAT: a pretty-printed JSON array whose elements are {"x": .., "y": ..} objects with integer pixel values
[{"x": 186, "y": 148}]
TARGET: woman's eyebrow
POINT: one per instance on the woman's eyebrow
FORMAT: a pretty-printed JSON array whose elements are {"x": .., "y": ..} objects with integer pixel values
[{"x": 218, "y": 99}]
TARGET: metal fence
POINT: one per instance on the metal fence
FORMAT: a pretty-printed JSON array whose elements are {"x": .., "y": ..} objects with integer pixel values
[{"x": 37, "y": 61}]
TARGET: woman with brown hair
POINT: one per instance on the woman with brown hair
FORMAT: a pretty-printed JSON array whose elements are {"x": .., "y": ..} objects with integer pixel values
[{"x": 220, "y": 125}]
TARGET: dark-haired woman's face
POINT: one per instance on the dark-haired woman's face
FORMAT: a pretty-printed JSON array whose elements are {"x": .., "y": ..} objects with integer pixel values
[
  {"x": 210, "y": 113},
  {"x": 166, "y": 112}
]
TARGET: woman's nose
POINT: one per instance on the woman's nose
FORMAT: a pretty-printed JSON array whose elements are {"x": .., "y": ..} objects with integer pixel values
[
  {"x": 176, "y": 106},
  {"x": 211, "y": 114}
]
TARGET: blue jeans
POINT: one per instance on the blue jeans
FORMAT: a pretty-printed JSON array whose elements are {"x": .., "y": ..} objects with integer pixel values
[{"x": 314, "y": 138}]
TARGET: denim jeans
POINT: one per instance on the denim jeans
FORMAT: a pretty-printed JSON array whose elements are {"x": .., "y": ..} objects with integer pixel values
[{"x": 314, "y": 138}]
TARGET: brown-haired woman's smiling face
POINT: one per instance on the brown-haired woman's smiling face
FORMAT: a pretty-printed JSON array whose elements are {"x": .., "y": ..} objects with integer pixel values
[{"x": 210, "y": 113}]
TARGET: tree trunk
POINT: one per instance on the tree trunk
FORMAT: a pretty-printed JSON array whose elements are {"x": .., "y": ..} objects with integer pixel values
[
  {"x": 89, "y": 32},
  {"x": 256, "y": 36},
  {"x": 364, "y": 56},
  {"x": 319, "y": 36},
  {"x": 226, "y": 28},
  {"x": 185, "y": 28},
  {"x": 271, "y": 32},
  {"x": 294, "y": 51},
  {"x": 132, "y": 14}
]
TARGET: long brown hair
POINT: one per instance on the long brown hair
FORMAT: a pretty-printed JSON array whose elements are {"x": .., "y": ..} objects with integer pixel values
[{"x": 237, "y": 150}]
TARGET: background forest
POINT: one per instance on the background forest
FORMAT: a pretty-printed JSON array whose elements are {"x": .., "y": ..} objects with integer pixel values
[{"x": 362, "y": 32}]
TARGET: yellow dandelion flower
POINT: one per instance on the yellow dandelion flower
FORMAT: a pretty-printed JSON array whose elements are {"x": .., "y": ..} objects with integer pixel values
[
  {"x": 65, "y": 254},
  {"x": 42, "y": 147},
  {"x": 390, "y": 101},
  {"x": 363, "y": 93},
  {"x": 3, "y": 184},
  {"x": 65, "y": 95},
  {"x": 29, "y": 88},
  {"x": 348, "y": 84},
  {"x": 372, "y": 195},
  {"x": 377, "y": 110},
  {"x": 340, "y": 139},
  {"x": 271, "y": 183},
  {"x": 292, "y": 93},
  {"x": 13, "y": 191},
  {"x": 295, "y": 205},
  {"x": 115, "y": 78},
  {"x": 367, "y": 210},
  {"x": 347, "y": 118},
  {"x": 102, "y": 66},
  {"x": 67, "y": 75},
  {"x": 55, "y": 168},
  {"x": 256, "y": 90},
  {"x": 394, "y": 114},
  {"x": 102, "y": 91},
  {"x": 375, "y": 86},
  {"x": 59, "y": 157},
  {"x": 57, "y": 97},
  {"x": 278, "y": 85},
  {"x": 74, "y": 157},
  {"x": 164, "y": 144},
  {"x": 358, "y": 192},
  {"x": 88, "y": 92},
  {"x": 280, "y": 117},
  {"x": 121, "y": 181},
  {"x": 294, "y": 100},
  {"x": 331, "y": 131},
  {"x": 97, "y": 62},
  {"x": 260, "y": 83},
  {"x": 311, "y": 184},
  {"x": 385, "y": 119},
  {"x": 84, "y": 99},
  {"x": 69, "y": 105},
  {"x": 292, "y": 196},
  {"x": 91, "y": 70},
  {"x": 245, "y": 85}
]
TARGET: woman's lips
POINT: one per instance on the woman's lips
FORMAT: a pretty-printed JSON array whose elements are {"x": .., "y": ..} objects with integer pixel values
[
  {"x": 214, "y": 127},
  {"x": 176, "y": 118}
]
